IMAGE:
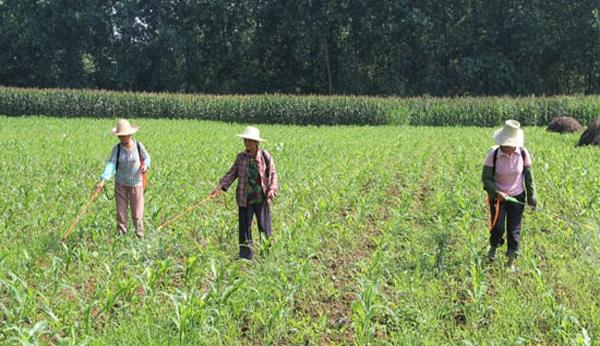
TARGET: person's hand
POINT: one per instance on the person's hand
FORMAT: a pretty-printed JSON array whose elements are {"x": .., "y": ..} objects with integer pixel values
[
  {"x": 270, "y": 196},
  {"x": 501, "y": 196},
  {"x": 533, "y": 203},
  {"x": 216, "y": 192},
  {"x": 143, "y": 168},
  {"x": 100, "y": 185}
]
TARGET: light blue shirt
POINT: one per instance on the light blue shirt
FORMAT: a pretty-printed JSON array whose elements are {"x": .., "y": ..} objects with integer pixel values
[{"x": 129, "y": 172}]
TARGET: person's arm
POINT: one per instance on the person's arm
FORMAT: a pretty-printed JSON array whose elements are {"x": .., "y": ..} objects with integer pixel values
[
  {"x": 109, "y": 170},
  {"x": 273, "y": 180},
  {"x": 530, "y": 186},
  {"x": 488, "y": 181},
  {"x": 487, "y": 177},
  {"x": 528, "y": 177},
  {"x": 146, "y": 157}
]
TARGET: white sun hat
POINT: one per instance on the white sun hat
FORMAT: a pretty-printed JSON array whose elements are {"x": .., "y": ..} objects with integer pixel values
[
  {"x": 510, "y": 135},
  {"x": 252, "y": 133},
  {"x": 124, "y": 128}
]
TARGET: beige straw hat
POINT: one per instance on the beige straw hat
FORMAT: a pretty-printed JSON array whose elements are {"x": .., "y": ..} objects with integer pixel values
[
  {"x": 124, "y": 128},
  {"x": 510, "y": 135},
  {"x": 252, "y": 133}
]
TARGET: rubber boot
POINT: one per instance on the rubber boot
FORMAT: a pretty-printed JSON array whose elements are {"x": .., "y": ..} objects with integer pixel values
[
  {"x": 510, "y": 263},
  {"x": 492, "y": 254}
]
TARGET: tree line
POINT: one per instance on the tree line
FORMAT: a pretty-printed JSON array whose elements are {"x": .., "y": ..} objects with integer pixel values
[{"x": 370, "y": 47}]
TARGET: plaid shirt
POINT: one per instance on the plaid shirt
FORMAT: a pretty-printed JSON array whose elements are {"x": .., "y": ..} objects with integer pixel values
[{"x": 239, "y": 170}]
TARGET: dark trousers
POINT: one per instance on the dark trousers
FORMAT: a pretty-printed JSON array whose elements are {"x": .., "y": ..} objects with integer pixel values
[
  {"x": 263, "y": 217},
  {"x": 511, "y": 215}
]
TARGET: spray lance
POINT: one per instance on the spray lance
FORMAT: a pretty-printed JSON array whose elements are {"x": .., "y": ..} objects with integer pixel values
[{"x": 516, "y": 201}]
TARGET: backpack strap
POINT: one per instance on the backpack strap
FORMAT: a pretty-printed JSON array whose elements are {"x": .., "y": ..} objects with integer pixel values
[
  {"x": 267, "y": 163},
  {"x": 118, "y": 155},
  {"x": 139, "y": 151},
  {"x": 262, "y": 151},
  {"x": 495, "y": 157}
]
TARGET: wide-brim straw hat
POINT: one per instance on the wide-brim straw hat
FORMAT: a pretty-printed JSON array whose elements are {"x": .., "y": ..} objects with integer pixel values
[
  {"x": 510, "y": 135},
  {"x": 252, "y": 133},
  {"x": 124, "y": 128}
]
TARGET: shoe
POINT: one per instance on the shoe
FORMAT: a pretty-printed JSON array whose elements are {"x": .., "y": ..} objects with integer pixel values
[
  {"x": 510, "y": 264},
  {"x": 246, "y": 252},
  {"x": 139, "y": 228},
  {"x": 492, "y": 254}
]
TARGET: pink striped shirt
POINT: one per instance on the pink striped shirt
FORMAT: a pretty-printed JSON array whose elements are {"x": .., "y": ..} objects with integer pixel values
[{"x": 509, "y": 170}]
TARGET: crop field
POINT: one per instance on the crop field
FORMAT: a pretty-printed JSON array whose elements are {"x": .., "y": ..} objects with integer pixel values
[{"x": 380, "y": 237}]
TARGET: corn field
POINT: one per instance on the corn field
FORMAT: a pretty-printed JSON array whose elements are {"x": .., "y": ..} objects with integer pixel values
[
  {"x": 380, "y": 237},
  {"x": 299, "y": 110}
]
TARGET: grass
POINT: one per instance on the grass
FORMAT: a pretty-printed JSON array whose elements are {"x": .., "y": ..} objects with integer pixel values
[{"x": 380, "y": 238}]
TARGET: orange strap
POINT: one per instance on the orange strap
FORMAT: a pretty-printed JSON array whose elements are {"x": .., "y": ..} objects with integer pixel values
[
  {"x": 488, "y": 204},
  {"x": 144, "y": 181},
  {"x": 144, "y": 177}
]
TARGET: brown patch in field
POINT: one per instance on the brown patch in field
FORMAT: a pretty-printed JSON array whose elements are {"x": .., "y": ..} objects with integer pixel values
[
  {"x": 367, "y": 186},
  {"x": 424, "y": 185},
  {"x": 335, "y": 309},
  {"x": 345, "y": 212},
  {"x": 491, "y": 291},
  {"x": 543, "y": 325},
  {"x": 396, "y": 188},
  {"x": 591, "y": 135},
  {"x": 245, "y": 325},
  {"x": 460, "y": 316},
  {"x": 341, "y": 264},
  {"x": 42, "y": 263},
  {"x": 564, "y": 125},
  {"x": 140, "y": 291},
  {"x": 68, "y": 294},
  {"x": 54, "y": 339},
  {"x": 99, "y": 318},
  {"x": 203, "y": 243},
  {"x": 564, "y": 293},
  {"x": 88, "y": 288}
]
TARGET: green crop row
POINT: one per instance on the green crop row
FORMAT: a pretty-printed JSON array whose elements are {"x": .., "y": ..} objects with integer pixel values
[
  {"x": 299, "y": 110},
  {"x": 379, "y": 238},
  {"x": 280, "y": 109},
  {"x": 491, "y": 111}
]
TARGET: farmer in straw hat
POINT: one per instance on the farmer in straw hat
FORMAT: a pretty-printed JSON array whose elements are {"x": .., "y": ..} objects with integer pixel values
[
  {"x": 507, "y": 172},
  {"x": 128, "y": 161},
  {"x": 257, "y": 186}
]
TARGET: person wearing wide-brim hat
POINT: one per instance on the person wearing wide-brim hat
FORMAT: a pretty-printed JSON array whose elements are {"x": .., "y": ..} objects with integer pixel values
[
  {"x": 257, "y": 186},
  {"x": 507, "y": 172},
  {"x": 128, "y": 161}
]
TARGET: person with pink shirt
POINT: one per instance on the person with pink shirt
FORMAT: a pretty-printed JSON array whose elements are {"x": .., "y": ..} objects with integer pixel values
[{"x": 507, "y": 172}]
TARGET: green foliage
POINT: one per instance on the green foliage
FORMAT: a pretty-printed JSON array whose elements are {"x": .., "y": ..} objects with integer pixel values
[
  {"x": 380, "y": 237},
  {"x": 373, "y": 47},
  {"x": 299, "y": 110},
  {"x": 282, "y": 109},
  {"x": 532, "y": 111}
]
